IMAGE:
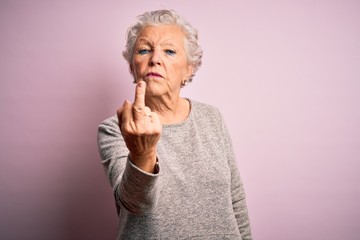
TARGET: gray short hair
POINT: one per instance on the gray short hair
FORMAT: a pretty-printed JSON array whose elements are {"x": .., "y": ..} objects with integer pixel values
[{"x": 153, "y": 18}]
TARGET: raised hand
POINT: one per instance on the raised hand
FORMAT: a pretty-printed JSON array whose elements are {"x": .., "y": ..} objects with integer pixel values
[{"x": 141, "y": 129}]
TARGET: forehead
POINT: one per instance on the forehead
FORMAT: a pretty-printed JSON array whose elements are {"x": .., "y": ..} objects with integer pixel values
[{"x": 162, "y": 34}]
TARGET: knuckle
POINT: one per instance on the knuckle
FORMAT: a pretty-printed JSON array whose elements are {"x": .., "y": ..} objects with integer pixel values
[
  {"x": 138, "y": 109},
  {"x": 147, "y": 109}
]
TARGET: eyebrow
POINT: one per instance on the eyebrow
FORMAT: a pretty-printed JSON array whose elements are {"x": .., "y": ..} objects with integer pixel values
[
  {"x": 143, "y": 40},
  {"x": 167, "y": 42}
]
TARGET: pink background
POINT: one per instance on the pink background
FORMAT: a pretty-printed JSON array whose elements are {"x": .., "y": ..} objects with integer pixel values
[{"x": 285, "y": 74}]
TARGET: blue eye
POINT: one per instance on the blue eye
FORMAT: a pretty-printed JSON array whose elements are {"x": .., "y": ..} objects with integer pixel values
[
  {"x": 170, "y": 52},
  {"x": 143, "y": 51}
]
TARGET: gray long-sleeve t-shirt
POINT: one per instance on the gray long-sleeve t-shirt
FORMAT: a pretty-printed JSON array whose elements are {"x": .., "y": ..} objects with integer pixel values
[{"x": 197, "y": 192}]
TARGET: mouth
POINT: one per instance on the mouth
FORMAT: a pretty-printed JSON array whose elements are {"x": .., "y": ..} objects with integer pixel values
[{"x": 153, "y": 74}]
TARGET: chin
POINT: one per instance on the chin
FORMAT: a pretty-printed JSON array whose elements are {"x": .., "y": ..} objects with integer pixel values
[
  {"x": 150, "y": 93},
  {"x": 152, "y": 84},
  {"x": 152, "y": 90}
]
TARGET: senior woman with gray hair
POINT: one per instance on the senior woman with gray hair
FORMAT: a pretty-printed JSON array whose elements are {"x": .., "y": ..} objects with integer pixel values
[{"x": 169, "y": 159}]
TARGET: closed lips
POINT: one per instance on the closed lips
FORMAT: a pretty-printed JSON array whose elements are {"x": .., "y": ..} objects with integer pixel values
[{"x": 153, "y": 74}]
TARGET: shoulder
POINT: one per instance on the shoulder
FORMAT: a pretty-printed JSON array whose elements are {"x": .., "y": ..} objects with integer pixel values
[
  {"x": 110, "y": 121},
  {"x": 109, "y": 137},
  {"x": 109, "y": 126},
  {"x": 203, "y": 110}
]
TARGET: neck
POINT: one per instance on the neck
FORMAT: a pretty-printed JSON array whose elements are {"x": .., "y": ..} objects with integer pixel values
[{"x": 170, "y": 110}]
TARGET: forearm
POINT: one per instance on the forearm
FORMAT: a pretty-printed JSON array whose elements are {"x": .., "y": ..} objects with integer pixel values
[{"x": 138, "y": 190}]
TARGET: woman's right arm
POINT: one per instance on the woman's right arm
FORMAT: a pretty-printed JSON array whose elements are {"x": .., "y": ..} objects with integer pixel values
[
  {"x": 124, "y": 153},
  {"x": 133, "y": 188}
]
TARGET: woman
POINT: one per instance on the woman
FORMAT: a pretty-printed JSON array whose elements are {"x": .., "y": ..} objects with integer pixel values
[{"x": 169, "y": 159}]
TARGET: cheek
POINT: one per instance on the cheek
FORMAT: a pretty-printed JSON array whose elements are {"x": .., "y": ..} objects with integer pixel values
[
  {"x": 137, "y": 65},
  {"x": 184, "y": 70}
]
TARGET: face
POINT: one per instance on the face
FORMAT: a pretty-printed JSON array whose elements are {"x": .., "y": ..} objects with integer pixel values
[{"x": 160, "y": 60}]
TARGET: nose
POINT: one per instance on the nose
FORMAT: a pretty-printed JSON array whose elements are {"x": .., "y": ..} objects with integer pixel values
[{"x": 155, "y": 58}]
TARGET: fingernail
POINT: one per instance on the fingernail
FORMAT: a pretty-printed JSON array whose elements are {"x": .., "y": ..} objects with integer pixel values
[{"x": 142, "y": 83}]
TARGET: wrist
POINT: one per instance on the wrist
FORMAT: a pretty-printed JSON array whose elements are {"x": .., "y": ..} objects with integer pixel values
[{"x": 145, "y": 161}]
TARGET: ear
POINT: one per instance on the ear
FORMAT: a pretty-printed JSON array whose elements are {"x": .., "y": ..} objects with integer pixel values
[{"x": 189, "y": 71}]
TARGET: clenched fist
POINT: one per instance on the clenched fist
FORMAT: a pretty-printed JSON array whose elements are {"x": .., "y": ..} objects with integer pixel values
[{"x": 141, "y": 129}]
